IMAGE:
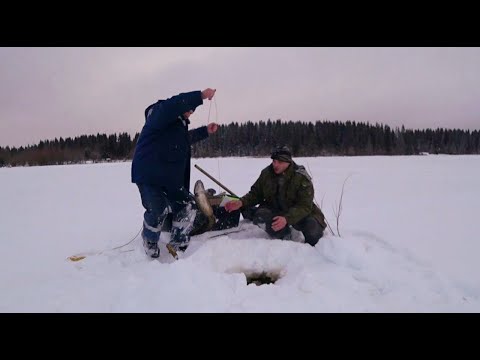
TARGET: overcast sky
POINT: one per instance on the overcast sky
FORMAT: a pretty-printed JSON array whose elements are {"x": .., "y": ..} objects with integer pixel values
[{"x": 60, "y": 92}]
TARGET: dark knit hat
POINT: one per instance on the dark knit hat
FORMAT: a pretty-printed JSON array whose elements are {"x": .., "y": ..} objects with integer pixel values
[{"x": 282, "y": 153}]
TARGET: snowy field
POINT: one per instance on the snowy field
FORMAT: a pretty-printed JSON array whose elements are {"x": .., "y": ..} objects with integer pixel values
[{"x": 409, "y": 242}]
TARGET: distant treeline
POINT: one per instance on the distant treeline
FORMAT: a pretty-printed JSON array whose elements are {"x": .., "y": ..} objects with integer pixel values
[{"x": 323, "y": 138}]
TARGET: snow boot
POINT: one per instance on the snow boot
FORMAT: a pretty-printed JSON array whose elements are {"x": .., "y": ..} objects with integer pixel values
[{"x": 151, "y": 249}]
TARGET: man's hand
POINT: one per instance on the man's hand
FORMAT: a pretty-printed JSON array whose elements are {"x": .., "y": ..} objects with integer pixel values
[
  {"x": 208, "y": 93},
  {"x": 233, "y": 205},
  {"x": 279, "y": 222},
  {"x": 212, "y": 128}
]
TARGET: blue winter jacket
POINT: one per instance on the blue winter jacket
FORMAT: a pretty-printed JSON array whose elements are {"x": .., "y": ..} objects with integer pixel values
[{"x": 162, "y": 154}]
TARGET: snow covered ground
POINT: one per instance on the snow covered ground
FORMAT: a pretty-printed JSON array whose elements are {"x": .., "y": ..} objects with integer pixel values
[{"x": 409, "y": 242}]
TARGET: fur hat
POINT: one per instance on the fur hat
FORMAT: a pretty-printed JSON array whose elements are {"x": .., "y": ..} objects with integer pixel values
[{"x": 282, "y": 153}]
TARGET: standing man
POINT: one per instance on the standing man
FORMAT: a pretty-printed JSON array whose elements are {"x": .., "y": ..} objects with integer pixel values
[
  {"x": 284, "y": 192},
  {"x": 161, "y": 167}
]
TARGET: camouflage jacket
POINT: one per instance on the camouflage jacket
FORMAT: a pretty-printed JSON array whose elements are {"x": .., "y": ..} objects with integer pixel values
[{"x": 290, "y": 194}]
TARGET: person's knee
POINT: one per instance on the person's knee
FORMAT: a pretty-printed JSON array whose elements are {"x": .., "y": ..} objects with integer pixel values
[
  {"x": 186, "y": 214},
  {"x": 312, "y": 231},
  {"x": 249, "y": 213},
  {"x": 263, "y": 216},
  {"x": 155, "y": 203},
  {"x": 183, "y": 223},
  {"x": 284, "y": 233},
  {"x": 155, "y": 216},
  {"x": 313, "y": 239}
]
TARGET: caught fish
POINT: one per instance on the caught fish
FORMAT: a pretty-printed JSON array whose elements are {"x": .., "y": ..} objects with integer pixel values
[{"x": 203, "y": 203}]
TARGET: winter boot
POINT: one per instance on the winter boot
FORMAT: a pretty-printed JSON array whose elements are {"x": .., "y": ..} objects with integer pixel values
[
  {"x": 151, "y": 248},
  {"x": 182, "y": 225}
]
